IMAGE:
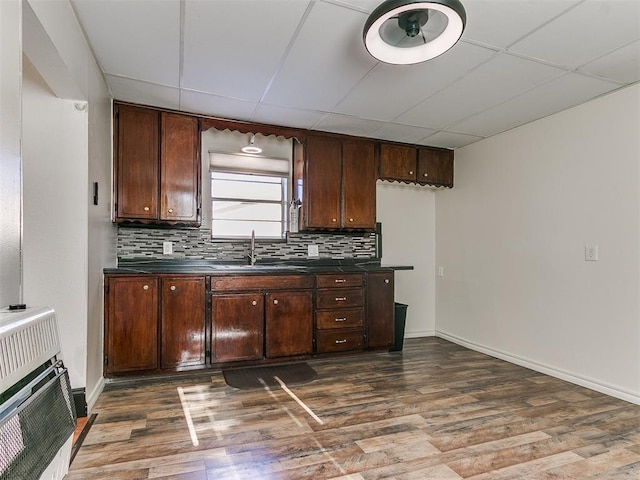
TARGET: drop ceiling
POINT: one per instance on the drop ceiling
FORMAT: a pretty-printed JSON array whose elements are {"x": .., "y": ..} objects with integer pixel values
[{"x": 302, "y": 63}]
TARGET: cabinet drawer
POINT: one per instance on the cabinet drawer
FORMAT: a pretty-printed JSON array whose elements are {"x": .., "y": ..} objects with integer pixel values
[
  {"x": 339, "y": 340},
  {"x": 261, "y": 282},
  {"x": 343, "y": 318},
  {"x": 339, "y": 298},
  {"x": 339, "y": 280}
]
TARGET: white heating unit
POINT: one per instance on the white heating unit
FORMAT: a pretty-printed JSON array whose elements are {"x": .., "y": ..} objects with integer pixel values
[{"x": 37, "y": 414}]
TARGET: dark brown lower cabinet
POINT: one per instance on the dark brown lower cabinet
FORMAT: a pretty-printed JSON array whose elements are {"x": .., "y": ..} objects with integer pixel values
[
  {"x": 289, "y": 323},
  {"x": 131, "y": 324},
  {"x": 182, "y": 329},
  {"x": 380, "y": 309},
  {"x": 237, "y": 331}
]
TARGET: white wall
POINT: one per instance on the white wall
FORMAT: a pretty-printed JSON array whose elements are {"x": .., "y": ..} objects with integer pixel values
[
  {"x": 512, "y": 234},
  {"x": 68, "y": 240},
  {"x": 407, "y": 213},
  {"x": 10, "y": 168},
  {"x": 54, "y": 157}
]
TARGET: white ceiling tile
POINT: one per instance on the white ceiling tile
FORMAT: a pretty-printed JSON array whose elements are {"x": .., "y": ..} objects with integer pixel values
[
  {"x": 493, "y": 82},
  {"x": 216, "y": 106},
  {"x": 232, "y": 48},
  {"x": 143, "y": 93},
  {"x": 390, "y": 90},
  {"x": 584, "y": 33},
  {"x": 348, "y": 125},
  {"x": 364, "y": 5},
  {"x": 622, "y": 65},
  {"x": 445, "y": 139},
  {"x": 321, "y": 69},
  {"x": 288, "y": 117},
  {"x": 500, "y": 22},
  {"x": 134, "y": 39},
  {"x": 401, "y": 133},
  {"x": 555, "y": 96}
]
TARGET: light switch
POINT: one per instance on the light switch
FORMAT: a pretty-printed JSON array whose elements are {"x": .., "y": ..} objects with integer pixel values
[{"x": 591, "y": 253}]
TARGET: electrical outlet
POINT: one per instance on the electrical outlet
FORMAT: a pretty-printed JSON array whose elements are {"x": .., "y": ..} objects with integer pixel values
[
  {"x": 312, "y": 251},
  {"x": 591, "y": 253},
  {"x": 167, "y": 248}
]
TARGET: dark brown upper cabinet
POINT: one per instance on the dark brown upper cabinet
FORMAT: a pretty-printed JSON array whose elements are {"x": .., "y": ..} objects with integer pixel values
[
  {"x": 157, "y": 167},
  {"x": 435, "y": 167},
  {"x": 338, "y": 179},
  {"x": 424, "y": 165}
]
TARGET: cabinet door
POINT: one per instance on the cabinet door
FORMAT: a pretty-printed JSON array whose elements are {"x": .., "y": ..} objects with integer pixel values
[
  {"x": 359, "y": 185},
  {"x": 380, "y": 309},
  {"x": 398, "y": 162},
  {"x": 131, "y": 330},
  {"x": 180, "y": 168},
  {"x": 289, "y": 324},
  {"x": 322, "y": 200},
  {"x": 237, "y": 326},
  {"x": 435, "y": 167},
  {"x": 183, "y": 321},
  {"x": 137, "y": 163}
]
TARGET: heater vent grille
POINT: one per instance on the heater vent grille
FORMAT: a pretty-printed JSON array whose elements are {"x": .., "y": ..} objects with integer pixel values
[{"x": 28, "y": 339}]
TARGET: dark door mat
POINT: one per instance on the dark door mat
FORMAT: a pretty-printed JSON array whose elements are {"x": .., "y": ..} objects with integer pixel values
[{"x": 249, "y": 378}]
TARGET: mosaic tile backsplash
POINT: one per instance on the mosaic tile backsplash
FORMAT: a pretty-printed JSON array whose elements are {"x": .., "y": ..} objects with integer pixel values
[{"x": 135, "y": 243}]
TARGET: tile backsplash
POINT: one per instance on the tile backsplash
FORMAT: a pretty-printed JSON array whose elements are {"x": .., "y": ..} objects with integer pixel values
[{"x": 135, "y": 243}]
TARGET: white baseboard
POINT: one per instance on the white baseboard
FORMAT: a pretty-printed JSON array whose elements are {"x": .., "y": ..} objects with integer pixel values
[
  {"x": 92, "y": 397},
  {"x": 598, "y": 386},
  {"x": 420, "y": 334}
]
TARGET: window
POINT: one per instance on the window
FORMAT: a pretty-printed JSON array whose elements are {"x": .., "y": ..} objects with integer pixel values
[{"x": 242, "y": 202}]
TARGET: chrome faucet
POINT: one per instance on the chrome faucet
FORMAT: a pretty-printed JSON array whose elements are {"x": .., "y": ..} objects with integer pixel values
[{"x": 252, "y": 255}]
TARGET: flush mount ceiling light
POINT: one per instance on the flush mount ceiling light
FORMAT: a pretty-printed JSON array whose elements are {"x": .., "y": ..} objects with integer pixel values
[
  {"x": 251, "y": 147},
  {"x": 404, "y": 32}
]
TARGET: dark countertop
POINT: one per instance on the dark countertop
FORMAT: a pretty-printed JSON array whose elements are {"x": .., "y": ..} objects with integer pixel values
[{"x": 264, "y": 267}]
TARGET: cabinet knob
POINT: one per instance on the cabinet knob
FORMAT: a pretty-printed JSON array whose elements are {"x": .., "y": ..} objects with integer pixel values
[
  {"x": 340, "y": 299},
  {"x": 425, "y": 174},
  {"x": 146, "y": 209},
  {"x": 386, "y": 280},
  {"x": 351, "y": 219},
  {"x": 338, "y": 342},
  {"x": 343, "y": 319},
  {"x": 275, "y": 302},
  {"x": 171, "y": 210},
  {"x": 254, "y": 303},
  {"x": 146, "y": 287},
  {"x": 334, "y": 219},
  {"x": 172, "y": 287},
  {"x": 410, "y": 172}
]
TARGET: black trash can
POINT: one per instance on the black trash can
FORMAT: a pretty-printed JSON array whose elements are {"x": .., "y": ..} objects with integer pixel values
[{"x": 400, "y": 320}]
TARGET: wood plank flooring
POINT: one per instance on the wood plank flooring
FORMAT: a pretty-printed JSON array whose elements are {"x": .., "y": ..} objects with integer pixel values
[{"x": 434, "y": 411}]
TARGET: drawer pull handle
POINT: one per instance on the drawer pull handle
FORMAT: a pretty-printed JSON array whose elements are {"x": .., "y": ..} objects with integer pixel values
[
  {"x": 340, "y": 280},
  {"x": 340, "y": 299},
  {"x": 343, "y": 319},
  {"x": 254, "y": 303},
  {"x": 172, "y": 287},
  {"x": 338, "y": 342}
]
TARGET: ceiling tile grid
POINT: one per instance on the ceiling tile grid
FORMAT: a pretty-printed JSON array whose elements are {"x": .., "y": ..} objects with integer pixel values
[{"x": 302, "y": 63}]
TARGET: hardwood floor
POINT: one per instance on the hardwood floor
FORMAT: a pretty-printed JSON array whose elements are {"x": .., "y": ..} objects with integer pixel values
[{"x": 434, "y": 411}]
